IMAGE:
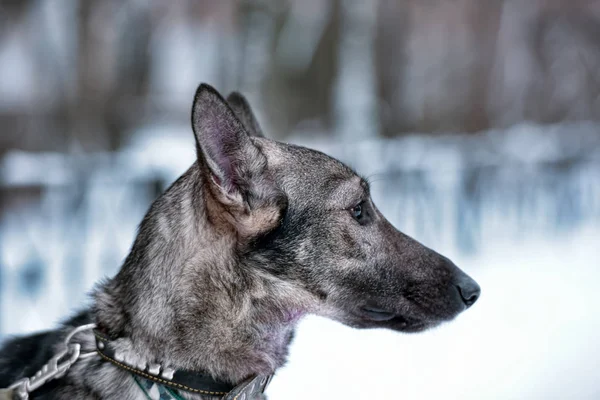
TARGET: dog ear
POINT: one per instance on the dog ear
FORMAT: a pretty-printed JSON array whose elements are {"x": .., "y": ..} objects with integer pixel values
[
  {"x": 235, "y": 167},
  {"x": 243, "y": 111},
  {"x": 222, "y": 142}
]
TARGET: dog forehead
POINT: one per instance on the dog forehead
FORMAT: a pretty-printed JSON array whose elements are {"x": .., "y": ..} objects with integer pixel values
[{"x": 311, "y": 172}]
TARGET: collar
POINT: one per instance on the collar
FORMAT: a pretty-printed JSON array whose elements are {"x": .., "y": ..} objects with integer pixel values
[{"x": 179, "y": 379}]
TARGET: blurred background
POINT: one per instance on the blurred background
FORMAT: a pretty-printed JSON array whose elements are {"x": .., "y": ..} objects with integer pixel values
[{"x": 478, "y": 121}]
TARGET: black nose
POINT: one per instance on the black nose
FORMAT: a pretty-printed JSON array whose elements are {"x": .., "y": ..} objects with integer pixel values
[{"x": 469, "y": 290}]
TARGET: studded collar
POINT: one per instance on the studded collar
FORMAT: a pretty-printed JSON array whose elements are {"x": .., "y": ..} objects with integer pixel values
[{"x": 164, "y": 380}]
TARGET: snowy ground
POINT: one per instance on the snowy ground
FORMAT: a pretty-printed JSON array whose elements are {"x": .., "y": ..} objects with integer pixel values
[{"x": 519, "y": 212}]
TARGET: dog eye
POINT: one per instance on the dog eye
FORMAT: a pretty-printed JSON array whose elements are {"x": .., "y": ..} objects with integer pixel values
[{"x": 357, "y": 211}]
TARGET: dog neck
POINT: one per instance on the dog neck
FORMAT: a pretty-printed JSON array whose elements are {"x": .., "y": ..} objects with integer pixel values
[{"x": 183, "y": 298}]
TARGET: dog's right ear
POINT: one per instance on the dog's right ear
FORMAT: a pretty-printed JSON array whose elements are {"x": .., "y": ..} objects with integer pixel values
[
  {"x": 243, "y": 111},
  {"x": 233, "y": 165}
]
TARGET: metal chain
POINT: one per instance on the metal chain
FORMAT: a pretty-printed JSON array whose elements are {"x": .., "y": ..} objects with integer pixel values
[{"x": 55, "y": 368}]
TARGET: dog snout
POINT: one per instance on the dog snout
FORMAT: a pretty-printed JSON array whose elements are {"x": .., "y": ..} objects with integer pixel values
[{"x": 468, "y": 289}]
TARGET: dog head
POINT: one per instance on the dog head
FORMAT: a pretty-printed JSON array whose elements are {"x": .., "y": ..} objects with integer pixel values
[{"x": 303, "y": 217}]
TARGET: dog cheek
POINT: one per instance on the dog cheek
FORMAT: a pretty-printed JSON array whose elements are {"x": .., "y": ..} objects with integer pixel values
[
  {"x": 345, "y": 244},
  {"x": 257, "y": 222}
]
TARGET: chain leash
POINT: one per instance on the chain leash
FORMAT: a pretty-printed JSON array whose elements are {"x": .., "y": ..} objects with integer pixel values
[{"x": 55, "y": 368}]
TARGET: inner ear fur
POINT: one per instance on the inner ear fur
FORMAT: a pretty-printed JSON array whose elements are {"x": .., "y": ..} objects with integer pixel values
[
  {"x": 235, "y": 170},
  {"x": 262, "y": 210}
]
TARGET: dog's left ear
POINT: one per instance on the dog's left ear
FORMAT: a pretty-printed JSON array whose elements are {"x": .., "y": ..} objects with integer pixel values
[
  {"x": 233, "y": 166},
  {"x": 242, "y": 110}
]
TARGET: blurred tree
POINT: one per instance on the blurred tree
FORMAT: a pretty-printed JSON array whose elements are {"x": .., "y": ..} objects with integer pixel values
[
  {"x": 300, "y": 89},
  {"x": 85, "y": 75}
]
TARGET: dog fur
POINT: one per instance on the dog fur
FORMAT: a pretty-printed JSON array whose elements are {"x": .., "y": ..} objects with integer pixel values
[{"x": 255, "y": 235}]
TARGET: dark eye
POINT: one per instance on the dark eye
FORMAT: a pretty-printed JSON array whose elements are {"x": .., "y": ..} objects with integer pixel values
[{"x": 357, "y": 211}]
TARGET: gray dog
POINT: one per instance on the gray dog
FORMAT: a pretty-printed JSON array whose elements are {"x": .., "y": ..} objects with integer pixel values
[{"x": 255, "y": 235}]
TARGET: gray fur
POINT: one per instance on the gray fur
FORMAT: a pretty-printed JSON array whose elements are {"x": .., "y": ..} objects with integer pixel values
[
  {"x": 255, "y": 235},
  {"x": 243, "y": 111}
]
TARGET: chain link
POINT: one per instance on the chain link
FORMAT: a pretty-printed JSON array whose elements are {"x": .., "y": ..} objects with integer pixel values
[{"x": 56, "y": 367}]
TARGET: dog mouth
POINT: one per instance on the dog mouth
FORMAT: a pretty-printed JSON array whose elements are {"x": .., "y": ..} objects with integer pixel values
[
  {"x": 372, "y": 317},
  {"x": 378, "y": 314}
]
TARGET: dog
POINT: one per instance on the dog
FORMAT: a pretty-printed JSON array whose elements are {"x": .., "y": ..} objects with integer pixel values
[{"x": 254, "y": 236}]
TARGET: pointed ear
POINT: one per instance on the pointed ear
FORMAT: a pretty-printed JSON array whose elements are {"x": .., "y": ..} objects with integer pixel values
[
  {"x": 242, "y": 110},
  {"x": 235, "y": 169},
  {"x": 223, "y": 143}
]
